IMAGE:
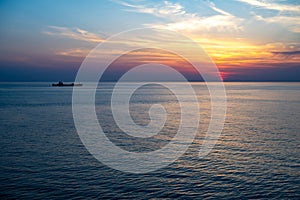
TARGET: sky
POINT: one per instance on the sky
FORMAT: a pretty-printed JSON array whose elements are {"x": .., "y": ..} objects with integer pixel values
[{"x": 248, "y": 40}]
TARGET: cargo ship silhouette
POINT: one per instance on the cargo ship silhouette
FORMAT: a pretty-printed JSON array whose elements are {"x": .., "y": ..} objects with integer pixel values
[{"x": 61, "y": 84}]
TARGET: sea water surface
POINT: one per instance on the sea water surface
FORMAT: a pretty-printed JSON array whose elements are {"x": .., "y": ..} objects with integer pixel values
[{"x": 257, "y": 155}]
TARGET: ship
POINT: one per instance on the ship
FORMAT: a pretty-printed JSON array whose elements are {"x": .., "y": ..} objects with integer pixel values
[{"x": 61, "y": 84}]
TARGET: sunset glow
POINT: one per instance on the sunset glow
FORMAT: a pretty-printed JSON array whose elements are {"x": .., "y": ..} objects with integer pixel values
[{"x": 247, "y": 39}]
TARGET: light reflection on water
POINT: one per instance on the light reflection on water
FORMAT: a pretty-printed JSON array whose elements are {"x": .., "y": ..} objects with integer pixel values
[{"x": 257, "y": 155}]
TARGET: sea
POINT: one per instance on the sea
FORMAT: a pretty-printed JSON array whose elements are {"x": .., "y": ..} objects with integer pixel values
[{"x": 257, "y": 155}]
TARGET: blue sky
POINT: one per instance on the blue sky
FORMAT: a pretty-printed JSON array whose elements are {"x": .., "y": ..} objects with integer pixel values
[{"x": 247, "y": 39}]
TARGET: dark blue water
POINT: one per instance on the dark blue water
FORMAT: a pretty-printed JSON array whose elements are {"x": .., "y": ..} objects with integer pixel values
[{"x": 257, "y": 155}]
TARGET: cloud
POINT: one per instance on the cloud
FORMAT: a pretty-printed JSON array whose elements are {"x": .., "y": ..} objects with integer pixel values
[
  {"x": 165, "y": 10},
  {"x": 288, "y": 54},
  {"x": 272, "y": 6},
  {"x": 76, "y": 34},
  {"x": 75, "y": 52},
  {"x": 288, "y": 16},
  {"x": 217, "y": 22},
  {"x": 179, "y": 19},
  {"x": 218, "y": 10},
  {"x": 290, "y": 22}
]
